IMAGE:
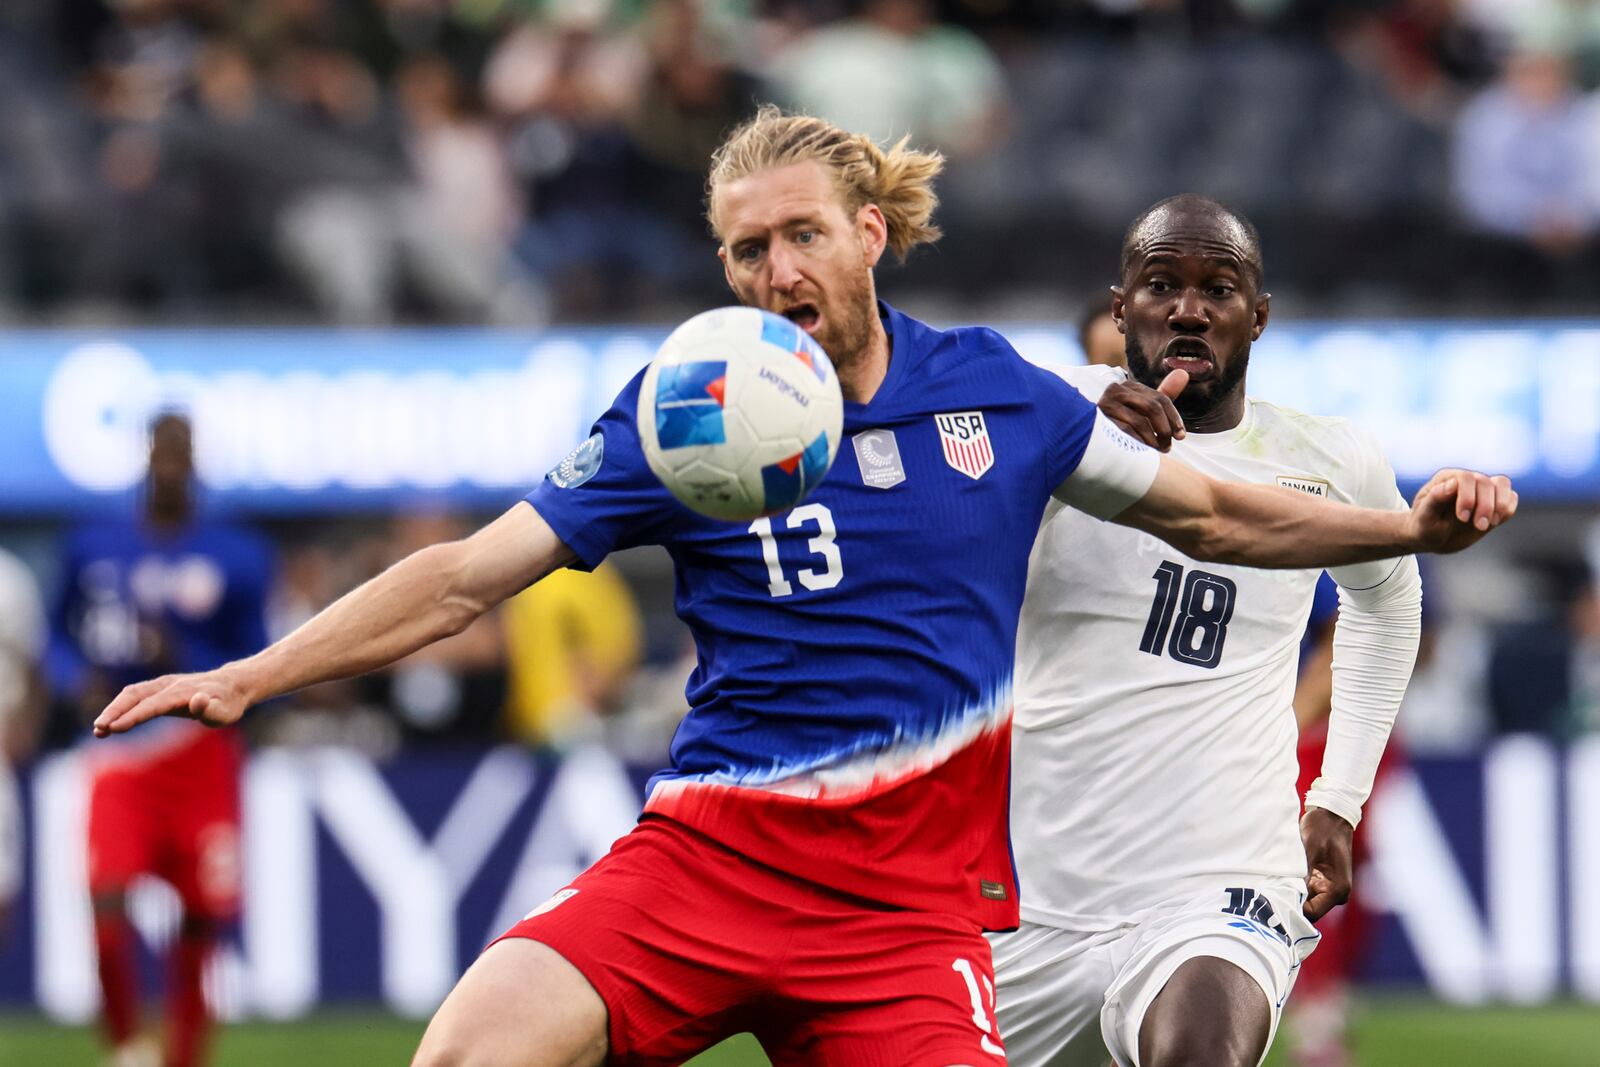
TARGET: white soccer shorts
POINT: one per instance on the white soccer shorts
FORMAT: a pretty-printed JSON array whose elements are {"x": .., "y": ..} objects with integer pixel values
[{"x": 1053, "y": 986}]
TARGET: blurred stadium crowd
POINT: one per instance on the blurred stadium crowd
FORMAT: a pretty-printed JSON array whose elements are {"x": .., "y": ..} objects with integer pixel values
[{"x": 369, "y": 161}]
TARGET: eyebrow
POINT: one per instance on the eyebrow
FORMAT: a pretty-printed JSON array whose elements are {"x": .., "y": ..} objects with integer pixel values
[
  {"x": 789, "y": 222},
  {"x": 1156, "y": 259}
]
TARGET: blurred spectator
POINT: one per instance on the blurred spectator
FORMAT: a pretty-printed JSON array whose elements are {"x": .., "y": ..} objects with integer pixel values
[
  {"x": 567, "y": 87},
  {"x": 573, "y": 644},
  {"x": 1544, "y": 675},
  {"x": 453, "y": 689},
  {"x": 22, "y": 635},
  {"x": 1523, "y": 160},
  {"x": 894, "y": 72},
  {"x": 1098, "y": 336},
  {"x": 1427, "y": 51}
]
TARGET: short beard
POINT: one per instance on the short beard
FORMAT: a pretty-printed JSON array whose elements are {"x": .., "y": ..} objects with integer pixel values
[
  {"x": 847, "y": 332},
  {"x": 1198, "y": 399}
]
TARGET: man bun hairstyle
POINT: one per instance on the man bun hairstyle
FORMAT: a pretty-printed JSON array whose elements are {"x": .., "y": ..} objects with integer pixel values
[{"x": 899, "y": 180}]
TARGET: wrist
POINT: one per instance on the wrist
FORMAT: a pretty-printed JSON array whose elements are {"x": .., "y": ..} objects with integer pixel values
[
  {"x": 1319, "y": 814},
  {"x": 247, "y": 677}
]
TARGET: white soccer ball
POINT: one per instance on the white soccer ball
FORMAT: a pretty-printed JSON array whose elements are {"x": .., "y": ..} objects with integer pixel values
[{"x": 740, "y": 413}]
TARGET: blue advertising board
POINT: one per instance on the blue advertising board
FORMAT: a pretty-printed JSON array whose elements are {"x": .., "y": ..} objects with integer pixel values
[
  {"x": 308, "y": 420},
  {"x": 380, "y": 882}
]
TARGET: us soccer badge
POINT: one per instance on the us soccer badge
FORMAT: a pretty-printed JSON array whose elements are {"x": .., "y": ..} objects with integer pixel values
[
  {"x": 878, "y": 456},
  {"x": 965, "y": 439}
]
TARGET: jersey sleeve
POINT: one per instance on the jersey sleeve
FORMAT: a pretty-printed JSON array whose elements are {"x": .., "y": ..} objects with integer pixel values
[
  {"x": 1065, "y": 420},
  {"x": 1114, "y": 471},
  {"x": 1373, "y": 487},
  {"x": 603, "y": 496}
]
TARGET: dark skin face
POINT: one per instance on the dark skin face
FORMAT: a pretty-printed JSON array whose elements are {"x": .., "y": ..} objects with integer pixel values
[
  {"x": 170, "y": 479},
  {"x": 1189, "y": 301}
]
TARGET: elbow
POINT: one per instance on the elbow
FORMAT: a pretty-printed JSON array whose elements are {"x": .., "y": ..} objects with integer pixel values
[{"x": 1210, "y": 540}]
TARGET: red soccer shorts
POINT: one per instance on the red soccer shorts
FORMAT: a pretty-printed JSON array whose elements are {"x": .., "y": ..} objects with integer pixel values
[
  {"x": 174, "y": 814},
  {"x": 688, "y": 942}
]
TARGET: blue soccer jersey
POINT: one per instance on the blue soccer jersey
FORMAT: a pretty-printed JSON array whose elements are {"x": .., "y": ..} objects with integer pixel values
[
  {"x": 134, "y": 603},
  {"x": 851, "y": 705}
]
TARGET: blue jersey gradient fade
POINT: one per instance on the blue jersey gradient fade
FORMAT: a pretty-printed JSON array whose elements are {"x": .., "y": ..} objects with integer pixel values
[{"x": 855, "y": 728}]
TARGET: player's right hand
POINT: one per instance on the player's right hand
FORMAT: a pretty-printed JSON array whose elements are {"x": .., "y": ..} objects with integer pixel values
[
  {"x": 214, "y": 698},
  {"x": 1144, "y": 413}
]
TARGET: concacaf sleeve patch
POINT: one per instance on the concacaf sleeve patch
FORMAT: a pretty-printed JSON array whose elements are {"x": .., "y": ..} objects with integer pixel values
[{"x": 580, "y": 465}]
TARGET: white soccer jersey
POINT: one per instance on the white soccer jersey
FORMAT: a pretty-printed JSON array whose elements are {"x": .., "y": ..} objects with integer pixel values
[{"x": 1154, "y": 742}]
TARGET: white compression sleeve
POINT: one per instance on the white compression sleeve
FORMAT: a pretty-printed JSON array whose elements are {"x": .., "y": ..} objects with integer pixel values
[{"x": 1374, "y": 649}]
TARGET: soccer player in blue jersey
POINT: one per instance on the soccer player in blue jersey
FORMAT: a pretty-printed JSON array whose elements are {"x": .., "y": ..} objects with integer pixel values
[
  {"x": 170, "y": 591},
  {"x": 819, "y": 861}
]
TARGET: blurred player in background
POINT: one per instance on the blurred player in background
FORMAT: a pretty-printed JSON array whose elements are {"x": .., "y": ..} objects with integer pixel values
[
  {"x": 22, "y": 637},
  {"x": 166, "y": 592},
  {"x": 1099, "y": 337},
  {"x": 1165, "y": 908},
  {"x": 1318, "y": 1018},
  {"x": 819, "y": 862}
]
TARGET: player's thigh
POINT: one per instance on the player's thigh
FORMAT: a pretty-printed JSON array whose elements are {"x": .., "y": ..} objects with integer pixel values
[
  {"x": 124, "y": 833},
  {"x": 520, "y": 1004},
  {"x": 1249, "y": 962},
  {"x": 1212, "y": 1004},
  {"x": 1049, "y": 988}
]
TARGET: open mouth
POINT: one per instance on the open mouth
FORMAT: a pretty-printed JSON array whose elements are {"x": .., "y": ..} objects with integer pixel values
[
  {"x": 805, "y": 316},
  {"x": 1189, "y": 354}
]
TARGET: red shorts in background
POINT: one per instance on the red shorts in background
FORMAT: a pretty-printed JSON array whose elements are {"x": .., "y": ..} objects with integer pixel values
[
  {"x": 1347, "y": 930},
  {"x": 173, "y": 813},
  {"x": 688, "y": 942}
]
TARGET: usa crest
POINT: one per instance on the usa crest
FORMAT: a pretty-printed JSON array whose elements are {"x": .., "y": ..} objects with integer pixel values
[{"x": 965, "y": 439}]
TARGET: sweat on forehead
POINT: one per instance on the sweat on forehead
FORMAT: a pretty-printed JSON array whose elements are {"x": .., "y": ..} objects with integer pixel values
[{"x": 1189, "y": 222}]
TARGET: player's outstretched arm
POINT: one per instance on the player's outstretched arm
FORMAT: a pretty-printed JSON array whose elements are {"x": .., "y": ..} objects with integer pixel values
[
  {"x": 432, "y": 593},
  {"x": 1265, "y": 526}
]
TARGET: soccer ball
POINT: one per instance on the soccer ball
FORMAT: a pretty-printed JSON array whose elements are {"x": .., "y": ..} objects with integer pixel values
[{"x": 740, "y": 413}]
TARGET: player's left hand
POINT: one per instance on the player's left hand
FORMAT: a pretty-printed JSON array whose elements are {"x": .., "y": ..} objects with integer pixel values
[
  {"x": 1328, "y": 842},
  {"x": 1457, "y": 507},
  {"x": 1145, "y": 413}
]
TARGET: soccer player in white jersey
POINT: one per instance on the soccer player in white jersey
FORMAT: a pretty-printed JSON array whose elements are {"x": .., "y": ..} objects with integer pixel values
[{"x": 1166, "y": 903}]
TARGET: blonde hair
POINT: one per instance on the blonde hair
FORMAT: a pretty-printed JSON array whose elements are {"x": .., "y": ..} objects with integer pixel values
[{"x": 898, "y": 180}]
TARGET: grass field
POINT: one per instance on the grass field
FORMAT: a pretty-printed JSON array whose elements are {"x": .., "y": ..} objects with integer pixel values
[{"x": 1390, "y": 1033}]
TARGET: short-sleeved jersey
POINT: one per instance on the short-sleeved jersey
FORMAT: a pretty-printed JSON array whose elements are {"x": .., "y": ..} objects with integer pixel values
[
  {"x": 851, "y": 704},
  {"x": 134, "y": 603},
  {"x": 1155, "y": 732}
]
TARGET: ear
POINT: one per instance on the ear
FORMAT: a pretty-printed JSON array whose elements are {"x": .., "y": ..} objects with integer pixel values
[
  {"x": 1116, "y": 310},
  {"x": 873, "y": 230},
  {"x": 1263, "y": 312},
  {"x": 727, "y": 272}
]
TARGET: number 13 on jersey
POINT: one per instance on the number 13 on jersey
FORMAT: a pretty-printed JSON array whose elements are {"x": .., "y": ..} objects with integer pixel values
[{"x": 821, "y": 545}]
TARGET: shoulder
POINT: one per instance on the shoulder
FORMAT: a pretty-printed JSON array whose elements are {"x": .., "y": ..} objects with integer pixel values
[
  {"x": 1330, "y": 434},
  {"x": 1350, "y": 454},
  {"x": 1089, "y": 379}
]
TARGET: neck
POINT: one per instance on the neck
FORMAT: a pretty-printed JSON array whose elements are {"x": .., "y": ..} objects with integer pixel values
[
  {"x": 167, "y": 519},
  {"x": 1223, "y": 416},
  {"x": 862, "y": 376}
]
